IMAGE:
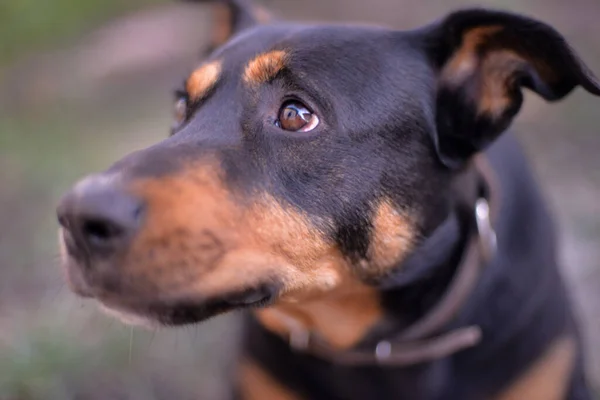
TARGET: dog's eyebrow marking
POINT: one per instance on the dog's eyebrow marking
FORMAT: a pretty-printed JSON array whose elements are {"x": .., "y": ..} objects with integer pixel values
[
  {"x": 264, "y": 67},
  {"x": 203, "y": 79}
]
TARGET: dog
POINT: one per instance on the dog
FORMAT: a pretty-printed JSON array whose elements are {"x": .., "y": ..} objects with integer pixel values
[{"x": 357, "y": 190}]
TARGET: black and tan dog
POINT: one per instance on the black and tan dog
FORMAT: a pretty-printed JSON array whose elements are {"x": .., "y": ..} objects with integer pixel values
[{"x": 354, "y": 188}]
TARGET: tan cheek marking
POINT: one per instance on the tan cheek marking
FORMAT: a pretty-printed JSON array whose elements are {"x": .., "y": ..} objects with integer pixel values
[
  {"x": 198, "y": 239},
  {"x": 262, "y": 241},
  {"x": 203, "y": 79},
  {"x": 256, "y": 384},
  {"x": 393, "y": 238},
  {"x": 549, "y": 377},
  {"x": 189, "y": 228},
  {"x": 265, "y": 67},
  {"x": 319, "y": 285}
]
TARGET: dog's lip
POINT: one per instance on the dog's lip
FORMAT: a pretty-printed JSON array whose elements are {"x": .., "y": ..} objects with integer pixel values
[
  {"x": 75, "y": 277},
  {"x": 189, "y": 310}
]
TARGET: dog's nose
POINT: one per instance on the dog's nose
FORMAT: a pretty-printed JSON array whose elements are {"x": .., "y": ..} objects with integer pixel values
[{"x": 100, "y": 217}]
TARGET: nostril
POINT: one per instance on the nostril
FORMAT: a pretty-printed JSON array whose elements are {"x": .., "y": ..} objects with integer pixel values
[{"x": 101, "y": 231}]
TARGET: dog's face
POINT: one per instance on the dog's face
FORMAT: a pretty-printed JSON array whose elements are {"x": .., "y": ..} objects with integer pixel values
[{"x": 304, "y": 160}]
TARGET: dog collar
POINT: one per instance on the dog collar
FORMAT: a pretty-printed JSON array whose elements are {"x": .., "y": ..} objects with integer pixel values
[{"x": 423, "y": 341}]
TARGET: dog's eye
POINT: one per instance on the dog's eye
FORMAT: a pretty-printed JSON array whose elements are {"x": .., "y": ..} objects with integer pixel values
[
  {"x": 295, "y": 117},
  {"x": 180, "y": 111}
]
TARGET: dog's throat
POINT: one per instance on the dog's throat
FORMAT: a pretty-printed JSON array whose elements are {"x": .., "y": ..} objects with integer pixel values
[{"x": 341, "y": 318}]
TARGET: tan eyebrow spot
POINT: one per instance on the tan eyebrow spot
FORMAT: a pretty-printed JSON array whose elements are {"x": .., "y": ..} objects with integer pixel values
[
  {"x": 203, "y": 79},
  {"x": 265, "y": 67}
]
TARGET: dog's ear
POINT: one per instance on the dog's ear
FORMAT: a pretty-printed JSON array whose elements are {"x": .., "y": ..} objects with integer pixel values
[
  {"x": 483, "y": 60},
  {"x": 232, "y": 17}
]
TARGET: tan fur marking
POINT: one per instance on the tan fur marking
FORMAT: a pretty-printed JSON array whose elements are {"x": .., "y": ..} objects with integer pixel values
[
  {"x": 203, "y": 79},
  {"x": 393, "y": 237},
  {"x": 464, "y": 62},
  {"x": 355, "y": 307},
  {"x": 256, "y": 384},
  {"x": 489, "y": 77},
  {"x": 238, "y": 243},
  {"x": 232, "y": 246},
  {"x": 222, "y": 29},
  {"x": 497, "y": 72},
  {"x": 265, "y": 67},
  {"x": 261, "y": 14},
  {"x": 223, "y": 17},
  {"x": 342, "y": 317},
  {"x": 548, "y": 379}
]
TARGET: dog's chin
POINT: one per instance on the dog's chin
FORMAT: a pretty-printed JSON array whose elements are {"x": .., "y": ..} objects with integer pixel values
[
  {"x": 153, "y": 314},
  {"x": 130, "y": 318}
]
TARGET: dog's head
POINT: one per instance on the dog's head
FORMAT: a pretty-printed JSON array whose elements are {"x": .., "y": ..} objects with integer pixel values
[{"x": 305, "y": 159}]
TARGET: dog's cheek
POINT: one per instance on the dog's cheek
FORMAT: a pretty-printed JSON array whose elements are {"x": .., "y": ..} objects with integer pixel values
[
  {"x": 189, "y": 228},
  {"x": 392, "y": 238},
  {"x": 309, "y": 263}
]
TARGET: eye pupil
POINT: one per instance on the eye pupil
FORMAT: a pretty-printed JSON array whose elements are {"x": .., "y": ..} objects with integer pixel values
[
  {"x": 294, "y": 116},
  {"x": 290, "y": 113}
]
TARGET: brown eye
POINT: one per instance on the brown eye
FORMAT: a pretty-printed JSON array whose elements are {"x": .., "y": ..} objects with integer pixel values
[
  {"x": 180, "y": 111},
  {"x": 295, "y": 117}
]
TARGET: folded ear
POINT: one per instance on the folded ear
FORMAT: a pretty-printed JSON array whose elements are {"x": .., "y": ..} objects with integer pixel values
[
  {"x": 232, "y": 17},
  {"x": 483, "y": 60}
]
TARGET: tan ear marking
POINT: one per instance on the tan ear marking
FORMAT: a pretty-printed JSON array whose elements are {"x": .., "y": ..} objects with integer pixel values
[
  {"x": 222, "y": 28},
  {"x": 203, "y": 80},
  {"x": 465, "y": 60},
  {"x": 265, "y": 67},
  {"x": 488, "y": 74},
  {"x": 261, "y": 14}
]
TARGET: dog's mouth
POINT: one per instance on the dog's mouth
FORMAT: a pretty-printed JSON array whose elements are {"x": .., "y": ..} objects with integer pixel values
[
  {"x": 187, "y": 310},
  {"x": 184, "y": 311},
  {"x": 126, "y": 299}
]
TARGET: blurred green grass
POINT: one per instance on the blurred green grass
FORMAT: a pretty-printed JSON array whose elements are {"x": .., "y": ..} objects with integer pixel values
[{"x": 29, "y": 25}]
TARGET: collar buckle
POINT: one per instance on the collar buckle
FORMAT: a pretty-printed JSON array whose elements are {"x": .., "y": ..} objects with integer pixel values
[{"x": 383, "y": 351}]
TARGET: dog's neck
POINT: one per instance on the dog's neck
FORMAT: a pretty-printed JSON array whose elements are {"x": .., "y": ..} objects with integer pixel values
[
  {"x": 358, "y": 313},
  {"x": 342, "y": 317}
]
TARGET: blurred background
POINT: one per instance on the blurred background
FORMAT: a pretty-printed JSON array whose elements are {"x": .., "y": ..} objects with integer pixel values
[{"x": 84, "y": 82}]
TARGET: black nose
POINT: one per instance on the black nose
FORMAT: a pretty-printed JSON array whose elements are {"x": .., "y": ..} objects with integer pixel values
[{"x": 99, "y": 217}]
